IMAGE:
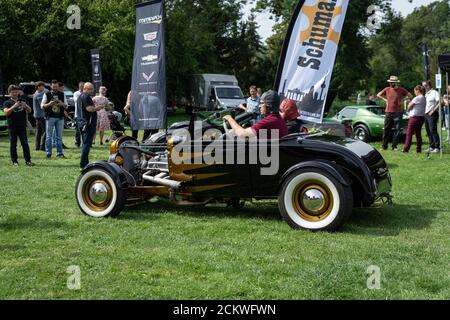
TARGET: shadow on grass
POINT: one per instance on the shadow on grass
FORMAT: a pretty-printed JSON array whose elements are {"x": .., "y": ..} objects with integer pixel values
[
  {"x": 389, "y": 220},
  {"x": 19, "y": 223},
  {"x": 58, "y": 165},
  {"x": 265, "y": 211},
  {"x": 386, "y": 221}
]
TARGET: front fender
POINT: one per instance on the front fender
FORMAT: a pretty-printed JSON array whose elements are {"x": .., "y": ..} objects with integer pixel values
[
  {"x": 324, "y": 165},
  {"x": 118, "y": 174}
]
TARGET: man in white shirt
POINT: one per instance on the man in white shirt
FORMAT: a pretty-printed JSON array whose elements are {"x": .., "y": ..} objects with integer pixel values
[
  {"x": 253, "y": 103},
  {"x": 76, "y": 95},
  {"x": 432, "y": 117}
]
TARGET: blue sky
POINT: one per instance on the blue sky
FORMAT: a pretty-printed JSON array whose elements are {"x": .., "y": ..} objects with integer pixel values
[{"x": 403, "y": 6}]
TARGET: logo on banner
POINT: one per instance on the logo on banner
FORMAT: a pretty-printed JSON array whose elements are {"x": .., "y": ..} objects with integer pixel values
[
  {"x": 150, "y": 36},
  {"x": 148, "y": 77},
  {"x": 152, "y": 44},
  {"x": 320, "y": 30},
  {"x": 150, "y": 58},
  {"x": 151, "y": 20}
]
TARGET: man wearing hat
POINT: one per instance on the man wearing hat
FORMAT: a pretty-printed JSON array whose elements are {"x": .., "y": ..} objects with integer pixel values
[
  {"x": 269, "y": 106},
  {"x": 393, "y": 96}
]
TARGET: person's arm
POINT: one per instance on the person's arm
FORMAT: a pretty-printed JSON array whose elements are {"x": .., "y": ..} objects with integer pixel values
[
  {"x": 411, "y": 105},
  {"x": 238, "y": 130},
  {"x": 11, "y": 109},
  {"x": 437, "y": 105},
  {"x": 128, "y": 105},
  {"x": 108, "y": 106},
  {"x": 63, "y": 104},
  {"x": 407, "y": 94},
  {"x": 382, "y": 95},
  {"x": 44, "y": 104},
  {"x": 27, "y": 108},
  {"x": 93, "y": 108}
]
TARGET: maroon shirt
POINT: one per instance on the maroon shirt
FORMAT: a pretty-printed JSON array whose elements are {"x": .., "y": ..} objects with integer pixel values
[
  {"x": 394, "y": 98},
  {"x": 271, "y": 122}
]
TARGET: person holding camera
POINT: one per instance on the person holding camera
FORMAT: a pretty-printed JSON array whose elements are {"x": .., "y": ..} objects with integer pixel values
[
  {"x": 54, "y": 104},
  {"x": 16, "y": 111}
]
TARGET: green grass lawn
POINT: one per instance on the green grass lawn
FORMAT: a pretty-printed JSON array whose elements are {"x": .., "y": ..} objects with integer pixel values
[{"x": 159, "y": 251}]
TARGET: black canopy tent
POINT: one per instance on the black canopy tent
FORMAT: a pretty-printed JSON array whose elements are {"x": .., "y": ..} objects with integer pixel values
[{"x": 444, "y": 65}]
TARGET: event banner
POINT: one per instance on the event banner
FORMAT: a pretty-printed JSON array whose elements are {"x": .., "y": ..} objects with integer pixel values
[
  {"x": 148, "y": 89},
  {"x": 96, "y": 69},
  {"x": 309, "y": 53}
]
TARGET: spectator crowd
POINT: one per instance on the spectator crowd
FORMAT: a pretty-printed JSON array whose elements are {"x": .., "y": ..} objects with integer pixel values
[{"x": 92, "y": 116}]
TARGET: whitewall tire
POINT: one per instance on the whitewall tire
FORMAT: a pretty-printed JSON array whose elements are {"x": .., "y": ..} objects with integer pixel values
[
  {"x": 98, "y": 195},
  {"x": 314, "y": 200}
]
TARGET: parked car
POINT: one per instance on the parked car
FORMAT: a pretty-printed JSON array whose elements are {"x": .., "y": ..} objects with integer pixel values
[
  {"x": 319, "y": 181},
  {"x": 3, "y": 122},
  {"x": 367, "y": 121}
]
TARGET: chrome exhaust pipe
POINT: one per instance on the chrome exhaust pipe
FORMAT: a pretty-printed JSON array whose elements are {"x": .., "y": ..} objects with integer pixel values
[{"x": 163, "y": 181}]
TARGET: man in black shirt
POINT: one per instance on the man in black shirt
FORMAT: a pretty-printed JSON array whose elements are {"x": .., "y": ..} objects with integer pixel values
[
  {"x": 88, "y": 122},
  {"x": 16, "y": 111}
]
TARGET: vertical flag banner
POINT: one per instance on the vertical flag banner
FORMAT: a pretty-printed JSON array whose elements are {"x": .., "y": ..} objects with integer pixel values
[
  {"x": 1, "y": 81},
  {"x": 309, "y": 53},
  {"x": 96, "y": 69},
  {"x": 148, "y": 88}
]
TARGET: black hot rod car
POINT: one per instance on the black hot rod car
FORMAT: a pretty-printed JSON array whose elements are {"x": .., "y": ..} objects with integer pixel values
[{"x": 320, "y": 177}]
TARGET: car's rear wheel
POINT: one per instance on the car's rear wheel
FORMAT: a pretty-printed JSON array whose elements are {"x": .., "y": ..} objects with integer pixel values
[
  {"x": 362, "y": 133},
  {"x": 98, "y": 195},
  {"x": 314, "y": 200}
]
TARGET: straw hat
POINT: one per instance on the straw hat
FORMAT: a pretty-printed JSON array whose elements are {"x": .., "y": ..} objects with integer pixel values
[{"x": 393, "y": 79}]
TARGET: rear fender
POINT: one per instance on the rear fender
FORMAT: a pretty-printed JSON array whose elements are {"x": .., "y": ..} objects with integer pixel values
[{"x": 119, "y": 175}]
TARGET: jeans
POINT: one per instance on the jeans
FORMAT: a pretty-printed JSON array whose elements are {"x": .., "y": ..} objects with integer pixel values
[
  {"x": 392, "y": 123},
  {"x": 431, "y": 123},
  {"x": 77, "y": 133},
  {"x": 58, "y": 124},
  {"x": 21, "y": 134},
  {"x": 88, "y": 136},
  {"x": 40, "y": 133},
  {"x": 414, "y": 128}
]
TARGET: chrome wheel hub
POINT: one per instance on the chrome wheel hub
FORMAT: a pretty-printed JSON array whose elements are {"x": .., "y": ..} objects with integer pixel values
[
  {"x": 313, "y": 200},
  {"x": 98, "y": 193}
]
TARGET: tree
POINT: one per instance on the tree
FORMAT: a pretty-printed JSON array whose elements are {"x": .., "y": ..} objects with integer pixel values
[{"x": 396, "y": 45}]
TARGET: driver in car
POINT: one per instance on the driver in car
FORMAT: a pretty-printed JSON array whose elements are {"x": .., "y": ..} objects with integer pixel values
[{"x": 269, "y": 106}]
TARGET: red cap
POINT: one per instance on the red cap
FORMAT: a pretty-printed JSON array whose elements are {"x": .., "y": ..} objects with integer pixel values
[{"x": 289, "y": 108}]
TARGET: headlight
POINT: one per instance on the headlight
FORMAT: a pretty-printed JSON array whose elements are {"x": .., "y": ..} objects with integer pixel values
[{"x": 114, "y": 148}]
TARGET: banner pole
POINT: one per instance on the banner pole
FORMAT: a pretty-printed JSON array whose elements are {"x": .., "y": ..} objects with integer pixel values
[
  {"x": 448, "y": 109},
  {"x": 440, "y": 117}
]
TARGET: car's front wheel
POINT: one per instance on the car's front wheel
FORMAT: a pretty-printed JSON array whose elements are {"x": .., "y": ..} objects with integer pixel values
[
  {"x": 314, "y": 200},
  {"x": 98, "y": 195}
]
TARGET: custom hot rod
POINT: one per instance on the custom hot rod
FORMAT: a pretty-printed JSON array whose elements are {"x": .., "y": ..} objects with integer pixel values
[{"x": 319, "y": 178}]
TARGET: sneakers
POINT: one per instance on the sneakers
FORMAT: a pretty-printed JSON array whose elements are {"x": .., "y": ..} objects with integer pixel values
[
  {"x": 29, "y": 164},
  {"x": 49, "y": 156},
  {"x": 15, "y": 164},
  {"x": 61, "y": 156},
  {"x": 435, "y": 150}
]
